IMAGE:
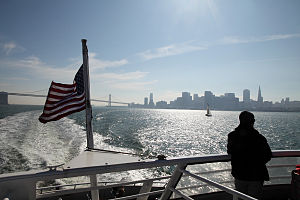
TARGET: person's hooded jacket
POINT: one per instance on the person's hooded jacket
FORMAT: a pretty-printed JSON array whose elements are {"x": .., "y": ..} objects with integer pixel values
[{"x": 249, "y": 152}]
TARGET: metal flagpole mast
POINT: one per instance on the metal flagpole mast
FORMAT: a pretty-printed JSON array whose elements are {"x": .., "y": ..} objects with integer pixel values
[{"x": 88, "y": 110}]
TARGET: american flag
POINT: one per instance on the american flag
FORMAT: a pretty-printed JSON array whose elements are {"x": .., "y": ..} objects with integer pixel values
[{"x": 64, "y": 99}]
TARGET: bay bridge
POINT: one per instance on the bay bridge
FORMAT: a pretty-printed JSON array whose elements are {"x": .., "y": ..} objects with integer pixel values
[{"x": 4, "y": 98}]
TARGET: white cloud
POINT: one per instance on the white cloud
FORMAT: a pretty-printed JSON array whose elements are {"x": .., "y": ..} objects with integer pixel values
[
  {"x": 8, "y": 47},
  {"x": 170, "y": 50},
  {"x": 103, "y": 64},
  {"x": 95, "y": 63},
  {"x": 239, "y": 40},
  {"x": 186, "y": 47},
  {"x": 281, "y": 37},
  {"x": 120, "y": 76},
  {"x": 16, "y": 78},
  {"x": 31, "y": 62},
  {"x": 123, "y": 81},
  {"x": 37, "y": 68},
  {"x": 41, "y": 69},
  {"x": 135, "y": 86},
  {"x": 11, "y": 47}
]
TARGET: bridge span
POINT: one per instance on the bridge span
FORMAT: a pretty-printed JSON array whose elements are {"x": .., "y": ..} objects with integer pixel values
[{"x": 96, "y": 100}]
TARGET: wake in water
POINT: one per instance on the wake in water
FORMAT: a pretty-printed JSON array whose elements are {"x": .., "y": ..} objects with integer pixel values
[{"x": 27, "y": 144}]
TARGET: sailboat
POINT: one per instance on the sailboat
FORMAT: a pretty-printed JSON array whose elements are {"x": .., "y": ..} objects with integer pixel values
[{"x": 208, "y": 113}]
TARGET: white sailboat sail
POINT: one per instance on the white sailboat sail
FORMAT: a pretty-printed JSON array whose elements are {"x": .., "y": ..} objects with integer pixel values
[{"x": 208, "y": 113}]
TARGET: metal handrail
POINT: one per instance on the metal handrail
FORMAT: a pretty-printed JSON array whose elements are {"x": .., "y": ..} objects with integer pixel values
[{"x": 161, "y": 178}]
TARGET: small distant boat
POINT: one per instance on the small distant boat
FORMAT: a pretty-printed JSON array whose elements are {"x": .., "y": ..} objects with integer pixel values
[{"x": 208, "y": 113}]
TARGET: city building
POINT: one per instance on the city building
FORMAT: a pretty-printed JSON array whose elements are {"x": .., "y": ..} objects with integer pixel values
[
  {"x": 151, "y": 102},
  {"x": 161, "y": 104},
  {"x": 186, "y": 100},
  {"x": 260, "y": 99},
  {"x": 195, "y": 97},
  {"x": 198, "y": 102},
  {"x": 228, "y": 101},
  {"x": 209, "y": 98},
  {"x": 146, "y": 101},
  {"x": 287, "y": 100},
  {"x": 246, "y": 96}
]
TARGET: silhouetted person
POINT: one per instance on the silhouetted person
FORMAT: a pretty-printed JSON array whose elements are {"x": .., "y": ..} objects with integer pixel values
[{"x": 249, "y": 152}]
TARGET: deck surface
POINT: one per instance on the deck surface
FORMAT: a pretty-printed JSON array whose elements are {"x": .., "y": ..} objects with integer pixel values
[{"x": 99, "y": 158}]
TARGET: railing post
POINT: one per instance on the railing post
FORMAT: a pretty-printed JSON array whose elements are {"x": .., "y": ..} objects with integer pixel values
[
  {"x": 145, "y": 188},
  {"x": 173, "y": 181},
  {"x": 95, "y": 193}
]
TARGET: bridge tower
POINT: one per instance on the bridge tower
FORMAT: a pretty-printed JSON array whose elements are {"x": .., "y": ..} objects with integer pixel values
[
  {"x": 109, "y": 100},
  {"x": 3, "y": 98}
]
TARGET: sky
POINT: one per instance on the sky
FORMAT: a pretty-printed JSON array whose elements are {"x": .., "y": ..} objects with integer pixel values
[{"x": 164, "y": 47}]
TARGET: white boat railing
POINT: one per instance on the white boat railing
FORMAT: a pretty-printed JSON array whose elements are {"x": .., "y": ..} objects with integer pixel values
[
  {"x": 106, "y": 184},
  {"x": 28, "y": 180}
]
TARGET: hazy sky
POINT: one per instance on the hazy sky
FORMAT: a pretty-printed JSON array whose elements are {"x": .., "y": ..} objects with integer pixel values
[{"x": 165, "y": 47}]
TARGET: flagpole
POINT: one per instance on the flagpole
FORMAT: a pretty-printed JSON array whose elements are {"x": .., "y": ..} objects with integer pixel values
[
  {"x": 88, "y": 113},
  {"x": 88, "y": 110}
]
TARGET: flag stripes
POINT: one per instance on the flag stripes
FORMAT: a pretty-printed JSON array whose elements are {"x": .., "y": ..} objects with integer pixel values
[{"x": 64, "y": 99}]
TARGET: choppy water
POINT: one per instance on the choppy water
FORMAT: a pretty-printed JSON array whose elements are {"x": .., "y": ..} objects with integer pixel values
[
  {"x": 187, "y": 132},
  {"x": 25, "y": 143}
]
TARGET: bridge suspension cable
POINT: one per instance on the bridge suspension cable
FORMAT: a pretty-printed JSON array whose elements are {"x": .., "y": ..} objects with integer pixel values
[{"x": 39, "y": 95}]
